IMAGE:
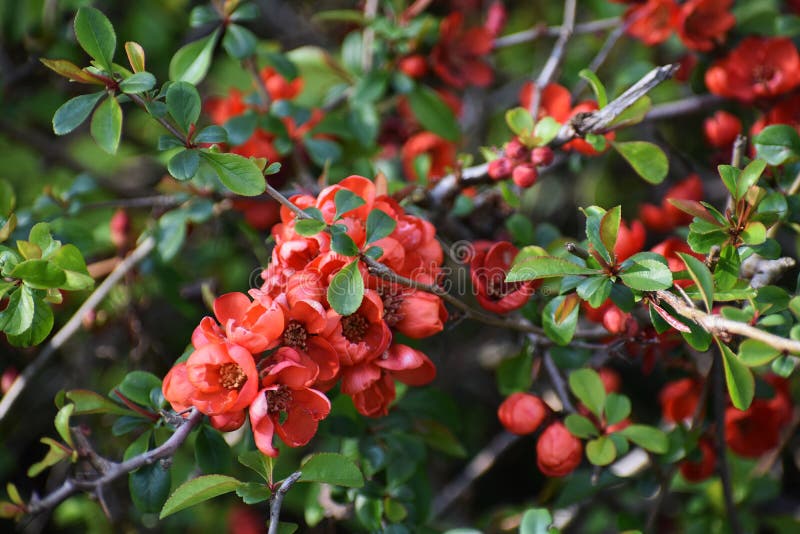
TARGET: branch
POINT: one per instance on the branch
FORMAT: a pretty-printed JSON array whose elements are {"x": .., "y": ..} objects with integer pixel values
[
  {"x": 554, "y": 31},
  {"x": 600, "y": 57},
  {"x": 368, "y": 40},
  {"x": 277, "y": 501},
  {"x": 116, "y": 470},
  {"x": 716, "y": 324},
  {"x": 557, "y": 54},
  {"x": 558, "y": 382},
  {"x": 73, "y": 324}
]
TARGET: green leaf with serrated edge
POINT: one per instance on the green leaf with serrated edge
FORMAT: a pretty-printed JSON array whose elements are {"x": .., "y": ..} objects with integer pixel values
[
  {"x": 309, "y": 227},
  {"x": 609, "y": 227},
  {"x": 647, "y": 275},
  {"x": 184, "y": 165},
  {"x": 183, "y": 104},
  {"x": 258, "y": 462},
  {"x": 580, "y": 426},
  {"x": 520, "y": 121},
  {"x": 149, "y": 487},
  {"x": 702, "y": 278},
  {"x": 343, "y": 244},
  {"x": 702, "y": 243},
  {"x": 586, "y": 385},
  {"x": 39, "y": 274},
  {"x": 647, "y": 437},
  {"x": 595, "y": 290},
  {"x": 545, "y": 131},
  {"x": 432, "y": 112},
  {"x": 596, "y": 85},
  {"x": 741, "y": 385},
  {"x": 753, "y": 353},
  {"x": 106, "y": 125},
  {"x": 331, "y": 468},
  {"x": 379, "y": 225},
  {"x": 211, "y": 451},
  {"x": 96, "y": 36},
  {"x": 55, "y": 454},
  {"x": 601, "y": 451},
  {"x": 777, "y": 144},
  {"x": 533, "y": 268},
  {"x": 198, "y": 490},
  {"x": 561, "y": 331},
  {"x": 88, "y": 402},
  {"x": 535, "y": 521},
  {"x": 237, "y": 173},
  {"x": 74, "y": 112},
  {"x": 253, "y": 492},
  {"x": 191, "y": 62},
  {"x": 62, "y": 423},
  {"x": 346, "y": 290},
  {"x": 138, "y": 83},
  {"x": 617, "y": 408},
  {"x": 647, "y": 159},
  {"x": 750, "y": 176},
  {"x": 346, "y": 201},
  {"x": 754, "y": 233}
]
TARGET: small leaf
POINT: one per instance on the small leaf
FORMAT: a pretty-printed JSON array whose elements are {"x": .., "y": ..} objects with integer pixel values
[
  {"x": 106, "y": 126},
  {"x": 520, "y": 121},
  {"x": 39, "y": 274},
  {"x": 239, "y": 42},
  {"x": 212, "y": 134},
  {"x": 379, "y": 225},
  {"x": 138, "y": 83},
  {"x": 345, "y": 202},
  {"x": 18, "y": 315},
  {"x": 253, "y": 492},
  {"x": 88, "y": 402},
  {"x": 580, "y": 426},
  {"x": 597, "y": 86},
  {"x": 136, "y": 386},
  {"x": 198, "y": 490},
  {"x": 183, "y": 165},
  {"x": 434, "y": 115},
  {"x": 56, "y": 453},
  {"x": 135, "y": 54},
  {"x": 533, "y": 268},
  {"x": 237, "y": 173},
  {"x": 96, "y": 36},
  {"x": 777, "y": 143},
  {"x": 617, "y": 408},
  {"x": 191, "y": 62},
  {"x": 258, "y": 462},
  {"x": 647, "y": 437},
  {"x": 183, "y": 103},
  {"x": 545, "y": 131},
  {"x": 343, "y": 244},
  {"x": 753, "y": 353},
  {"x": 647, "y": 275},
  {"x": 586, "y": 385},
  {"x": 730, "y": 176},
  {"x": 601, "y": 451},
  {"x": 331, "y": 468},
  {"x": 535, "y": 521},
  {"x": 346, "y": 290},
  {"x": 647, "y": 159},
  {"x": 702, "y": 278},
  {"x": 514, "y": 374},
  {"x": 741, "y": 385},
  {"x": 309, "y": 227},
  {"x": 74, "y": 112},
  {"x": 62, "y": 423},
  {"x": 71, "y": 71},
  {"x": 754, "y": 233},
  {"x": 560, "y": 331},
  {"x": 750, "y": 176}
]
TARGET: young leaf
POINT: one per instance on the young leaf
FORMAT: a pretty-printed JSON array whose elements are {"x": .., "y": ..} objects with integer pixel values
[
  {"x": 343, "y": 244},
  {"x": 212, "y": 134},
  {"x": 346, "y": 290},
  {"x": 647, "y": 437},
  {"x": 62, "y": 423},
  {"x": 183, "y": 103},
  {"x": 331, "y": 468},
  {"x": 237, "y": 173},
  {"x": 70, "y": 70},
  {"x": 135, "y": 54},
  {"x": 750, "y": 176},
  {"x": 609, "y": 227},
  {"x": 617, "y": 408},
  {"x": 560, "y": 319},
  {"x": 586, "y": 385},
  {"x": 533, "y": 268},
  {"x": 741, "y": 385},
  {"x": 88, "y": 402},
  {"x": 74, "y": 111},
  {"x": 309, "y": 227},
  {"x": 379, "y": 225},
  {"x": 730, "y": 177},
  {"x": 345, "y": 202},
  {"x": 197, "y": 490},
  {"x": 597, "y": 86},
  {"x": 191, "y": 62},
  {"x": 106, "y": 126},
  {"x": 753, "y": 353},
  {"x": 777, "y": 144},
  {"x": 96, "y": 36},
  {"x": 647, "y": 159},
  {"x": 647, "y": 275},
  {"x": 434, "y": 115},
  {"x": 545, "y": 131},
  {"x": 601, "y": 451},
  {"x": 138, "y": 83},
  {"x": 702, "y": 277},
  {"x": 536, "y": 521},
  {"x": 580, "y": 426},
  {"x": 520, "y": 121}
]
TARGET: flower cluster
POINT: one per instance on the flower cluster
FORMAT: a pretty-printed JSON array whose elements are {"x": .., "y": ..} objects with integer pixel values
[
  {"x": 520, "y": 162},
  {"x": 273, "y": 353},
  {"x": 700, "y": 24}
]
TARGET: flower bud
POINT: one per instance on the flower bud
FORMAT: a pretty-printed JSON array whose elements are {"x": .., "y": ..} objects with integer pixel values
[
  {"x": 495, "y": 18},
  {"x": 413, "y": 66},
  {"x": 120, "y": 227},
  {"x": 515, "y": 149},
  {"x": 525, "y": 175},
  {"x": 499, "y": 168},
  {"x": 721, "y": 129},
  {"x": 558, "y": 452},
  {"x": 8, "y": 378},
  {"x": 542, "y": 156},
  {"x": 522, "y": 413}
]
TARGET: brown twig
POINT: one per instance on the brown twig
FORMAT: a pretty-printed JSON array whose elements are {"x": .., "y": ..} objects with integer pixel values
[
  {"x": 277, "y": 501},
  {"x": 537, "y": 32},
  {"x": 558, "y": 382}
]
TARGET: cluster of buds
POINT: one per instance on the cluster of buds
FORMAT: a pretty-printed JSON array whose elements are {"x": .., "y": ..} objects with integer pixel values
[{"x": 520, "y": 162}]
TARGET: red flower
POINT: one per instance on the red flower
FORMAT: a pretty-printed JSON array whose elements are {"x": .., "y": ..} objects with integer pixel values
[
  {"x": 416, "y": 314},
  {"x": 522, "y": 413},
  {"x": 630, "y": 240},
  {"x": 651, "y": 22},
  {"x": 220, "y": 109},
  {"x": 669, "y": 249},
  {"x": 306, "y": 320},
  {"x": 442, "y": 154},
  {"x": 413, "y": 66},
  {"x": 702, "y": 23},
  {"x": 360, "y": 337},
  {"x": 786, "y": 111},
  {"x": 697, "y": 471},
  {"x": 679, "y": 399},
  {"x": 259, "y": 145},
  {"x": 256, "y": 326},
  {"x": 488, "y": 270},
  {"x": 667, "y": 217},
  {"x": 721, "y": 129},
  {"x": 457, "y": 57},
  {"x": 278, "y": 87},
  {"x": 611, "y": 317},
  {"x": 759, "y": 67},
  {"x": 558, "y": 452}
]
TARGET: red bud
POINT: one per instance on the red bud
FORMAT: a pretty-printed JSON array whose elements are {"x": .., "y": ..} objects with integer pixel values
[
  {"x": 542, "y": 156},
  {"x": 558, "y": 452},
  {"x": 522, "y": 413},
  {"x": 499, "y": 168},
  {"x": 525, "y": 175}
]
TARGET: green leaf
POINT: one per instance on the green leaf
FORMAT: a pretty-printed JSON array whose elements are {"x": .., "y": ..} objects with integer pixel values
[
  {"x": 322, "y": 151},
  {"x": 40, "y": 327},
  {"x": 237, "y": 173},
  {"x": 96, "y": 36},
  {"x": 345, "y": 202},
  {"x": 379, "y": 225},
  {"x": 434, "y": 115},
  {"x": 753, "y": 353},
  {"x": 617, "y": 408},
  {"x": 71, "y": 261},
  {"x": 309, "y": 227},
  {"x": 730, "y": 176},
  {"x": 258, "y": 462},
  {"x": 647, "y": 275},
  {"x": 609, "y": 227},
  {"x": 55, "y": 454},
  {"x": 136, "y": 56},
  {"x": 191, "y": 62},
  {"x": 634, "y": 114},
  {"x": 343, "y": 244},
  {"x": 514, "y": 374},
  {"x": 535, "y": 521},
  {"x": 62, "y": 423},
  {"x": 136, "y": 386},
  {"x": 545, "y": 131},
  {"x": 183, "y": 165},
  {"x": 560, "y": 319},
  {"x": 520, "y": 121},
  {"x": 18, "y": 315},
  {"x": 702, "y": 278},
  {"x": 364, "y": 122},
  {"x": 88, "y": 402},
  {"x": 580, "y": 426},
  {"x": 211, "y": 451},
  {"x": 138, "y": 83},
  {"x": 601, "y": 451},
  {"x": 533, "y": 268},
  {"x": 597, "y": 86},
  {"x": 149, "y": 487},
  {"x": 198, "y": 490},
  {"x": 777, "y": 144},
  {"x": 331, "y": 468},
  {"x": 183, "y": 103},
  {"x": 212, "y": 134},
  {"x": 750, "y": 176},
  {"x": 346, "y": 290},
  {"x": 8, "y": 200},
  {"x": 253, "y": 492},
  {"x": 106, "y": 125},
  {"x": 647, "y": 437},
  {"x": 647, "y": 159},
  {"x": 586, "y": 385},
  {"x": 741, "y": 385},
  {"x": 595, "y": 290},
  {"x": 39, "y": 274},
  {"x": 239, "y": 42},
  {"x": 74, "y": 112},
  {"x": 754, "y": 233}
]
